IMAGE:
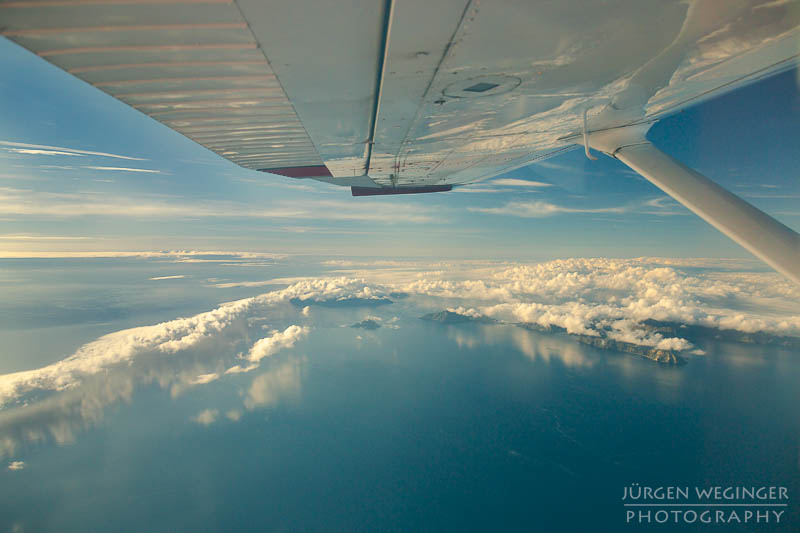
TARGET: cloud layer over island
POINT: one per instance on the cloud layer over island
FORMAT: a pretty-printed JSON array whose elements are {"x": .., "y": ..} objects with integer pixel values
[{"x": 593, "y": 297}]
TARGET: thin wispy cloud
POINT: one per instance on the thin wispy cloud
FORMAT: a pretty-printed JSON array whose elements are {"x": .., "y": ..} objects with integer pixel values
[
  {"x": 126, "y": 169},
  {"x": 260, "y": 283},
  {"x": 478, "y": 189},
  {"x": 204, "y": 379},
  {"x": 541, "y": 209},
  {"x": 770, "y": 196},
  {"x": 34, "y": 237},
  {"x": 513, "y": 182},
  {"x": 32, "y": 151},
  {"x": 159, "y": 278},
  {"x": 27, "y": 202},
  {"x": 176, "y": 256},
  {"x": 41, "y": 149},
  {"x": 283, "y": 183},
  {"x": 663, "y": 206}
]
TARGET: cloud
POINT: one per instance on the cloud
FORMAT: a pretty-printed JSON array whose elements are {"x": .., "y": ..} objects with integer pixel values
[
  {"x": 512, "y": 182},
  {"x": 663, "y": 206},
  {"x": 159, "y": 278},
  {"x": 232, "y": 284},
  {"x": 478, "y": 189},
  {"x": 615, "y": 296},
  {"x": 267, "y": 346},
  {"x": 203, "y": 379},
  {"x": 177, "y": 256},
  {"x": 541, "y": 209},
  {"x": 126, "y": 169},
  {"x": 16, "y": 465},
  {"x": 27, "y": 202},
  {"x": 336, "y": 289},
  {"x": 271, "y": 386},
  {"x": 592, "y": 296},
  {"x": 59, "y": 400},
  {"x": 29, "y": 237},
  {"x": 30, "y": 151},
  {"x": 40, "y": 149},
  {"x": 123, "y": 348},
  {"x": 275, "y": 342},
  {"x": 206, "y": 417}
]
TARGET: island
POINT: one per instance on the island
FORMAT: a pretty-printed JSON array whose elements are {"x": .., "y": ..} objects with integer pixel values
[
  {"x": 451, "y": 317},
  {"x": 664, "y": 357},
  {"x": 366, "y": 324},
  {"x": 695, "y": 333}
]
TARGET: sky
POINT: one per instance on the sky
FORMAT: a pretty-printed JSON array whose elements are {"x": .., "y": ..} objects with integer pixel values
[{"x": 83, "y": 173}]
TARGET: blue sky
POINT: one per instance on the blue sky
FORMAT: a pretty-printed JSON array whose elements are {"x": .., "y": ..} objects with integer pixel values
[{"x": 168, "y": 193}]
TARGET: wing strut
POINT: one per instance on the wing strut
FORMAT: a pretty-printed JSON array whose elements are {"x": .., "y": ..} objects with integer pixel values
[{"x": 759, "y": 233}]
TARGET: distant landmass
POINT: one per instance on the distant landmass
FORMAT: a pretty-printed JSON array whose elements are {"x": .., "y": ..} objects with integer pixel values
[
  {"x": 666, "y": 357},
  {"x": 366, "y": 324},
  {"x": 696, "y": 333},
  {"x": 693, "y": 333},
  {"x": 451, "y": 317},
  {"x": 342, "y": 302}
]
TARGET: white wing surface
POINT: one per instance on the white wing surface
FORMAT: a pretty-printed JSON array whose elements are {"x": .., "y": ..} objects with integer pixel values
[{"x": 409, "y": 92}]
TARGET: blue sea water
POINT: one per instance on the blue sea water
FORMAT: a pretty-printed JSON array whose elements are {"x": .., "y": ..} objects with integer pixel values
[{"x": 416, "y": 427}]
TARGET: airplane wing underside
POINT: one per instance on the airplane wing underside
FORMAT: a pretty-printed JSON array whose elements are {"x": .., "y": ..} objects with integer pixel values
[{"x": 410, "y": 93}]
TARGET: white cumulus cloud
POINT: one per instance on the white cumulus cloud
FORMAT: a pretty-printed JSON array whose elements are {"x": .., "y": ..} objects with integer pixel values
[
  {"x": 587, "y": 296},
  {"x": 206, "y": 417}
]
